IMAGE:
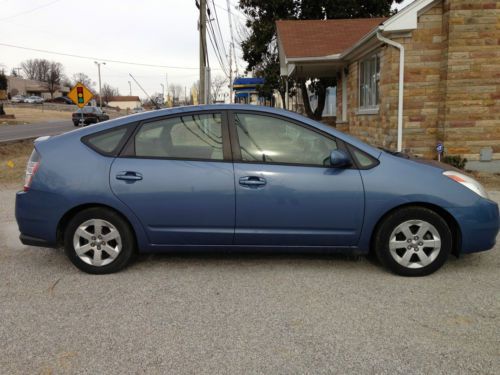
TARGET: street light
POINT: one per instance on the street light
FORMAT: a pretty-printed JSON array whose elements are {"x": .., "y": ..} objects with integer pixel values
[
  {"x": 130, "y": 87},
  {"x": 99, "y": 72}
]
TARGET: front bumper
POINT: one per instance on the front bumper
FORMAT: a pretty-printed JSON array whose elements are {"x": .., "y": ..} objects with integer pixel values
[{"x": 479, "y": 225}]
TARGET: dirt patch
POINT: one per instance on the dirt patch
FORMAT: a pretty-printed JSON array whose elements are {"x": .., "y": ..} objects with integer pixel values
[{"x": 13, "y": 159}]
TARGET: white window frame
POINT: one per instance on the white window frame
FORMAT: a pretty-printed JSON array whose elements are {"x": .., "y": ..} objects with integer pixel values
[{"x": 369, "y": 84}]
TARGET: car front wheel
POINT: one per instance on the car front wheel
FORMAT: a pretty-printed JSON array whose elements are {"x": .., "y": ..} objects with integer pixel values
[
  {"x": 413, "y": 241},
  {"x": 99, "y": 241}
]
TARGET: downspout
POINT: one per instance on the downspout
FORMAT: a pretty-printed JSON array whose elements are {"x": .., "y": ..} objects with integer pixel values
[{"x": 401, "y": 85}]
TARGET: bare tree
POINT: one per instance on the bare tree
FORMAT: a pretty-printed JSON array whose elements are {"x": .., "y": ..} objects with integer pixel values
[
  {"x": 37, "y": 69},
  {"x": 49, "y": 72},
  {"x": 83, "y": 78},
  {"x": 54, "y": 77},
  {"x": 218, "y": 83},
  {"x": 175, "y": 90},
  {"x": 108, "y": 92}
]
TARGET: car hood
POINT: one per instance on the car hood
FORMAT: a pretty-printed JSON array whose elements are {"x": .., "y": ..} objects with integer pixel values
[{"x": 432, "y": 163}]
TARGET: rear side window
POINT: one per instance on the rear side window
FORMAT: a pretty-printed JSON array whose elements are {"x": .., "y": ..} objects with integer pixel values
[
  {"x": 197, "y": 136},
  {"x": 107, "y": 142}
]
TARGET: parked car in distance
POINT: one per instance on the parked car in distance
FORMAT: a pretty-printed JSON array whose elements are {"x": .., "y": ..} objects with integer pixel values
[
  {"x": 34, "y": 99},
  {"x": 89, "y": 115},
  {"x": 240, "y": 177},
  {"x": 138, "y": 110},
  {"x": 18, "y": 99},
  {"x": 60, "y": 100}
]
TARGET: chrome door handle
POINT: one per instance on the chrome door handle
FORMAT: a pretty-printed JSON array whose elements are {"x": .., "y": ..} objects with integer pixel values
[
  {"x": 129, "y": 176},
  {"x": 252, "y": 181}
]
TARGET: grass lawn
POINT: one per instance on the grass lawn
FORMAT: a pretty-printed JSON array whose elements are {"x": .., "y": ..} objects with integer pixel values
[
  {"x": 32, "y": 115},
  {"x": 13, "y": 159}
]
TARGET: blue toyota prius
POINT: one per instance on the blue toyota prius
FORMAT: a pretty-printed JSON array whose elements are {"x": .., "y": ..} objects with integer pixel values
[{"x": 244, "y": 177}]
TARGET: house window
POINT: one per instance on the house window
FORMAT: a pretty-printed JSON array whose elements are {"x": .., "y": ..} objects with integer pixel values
[{"x": 369, "y": 76}]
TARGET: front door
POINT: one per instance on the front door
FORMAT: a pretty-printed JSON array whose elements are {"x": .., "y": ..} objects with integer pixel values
[
  {"x": 286, "y": 195},
  {"x": 177, "y": 177}
]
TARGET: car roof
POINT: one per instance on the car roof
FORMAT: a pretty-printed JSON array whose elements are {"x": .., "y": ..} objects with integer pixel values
[{"x": 148, "y": 115}]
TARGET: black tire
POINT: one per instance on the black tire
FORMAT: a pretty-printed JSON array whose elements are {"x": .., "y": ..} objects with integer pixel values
[
  {"x": 128, "y": 245},
  {"x": 75, "y": 123},
  {"x": 390, "y": 223}
]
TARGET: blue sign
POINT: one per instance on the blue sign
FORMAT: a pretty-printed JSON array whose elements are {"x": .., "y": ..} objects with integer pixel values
[{"x": 440, "y": 148}]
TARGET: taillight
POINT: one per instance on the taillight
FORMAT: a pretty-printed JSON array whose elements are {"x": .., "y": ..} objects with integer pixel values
[{"x": 31, "y": 169}]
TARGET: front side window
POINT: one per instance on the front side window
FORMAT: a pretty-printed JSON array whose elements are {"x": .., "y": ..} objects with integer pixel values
[
  {"x": 272, "y": 140},
  {"x": 369, "y": 76},
  {"x": 196, "y": 136}
]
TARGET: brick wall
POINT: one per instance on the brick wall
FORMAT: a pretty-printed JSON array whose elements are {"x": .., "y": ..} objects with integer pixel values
[
  {"x": 472, "y": 109},
  {"x": 452, "y": 83}
]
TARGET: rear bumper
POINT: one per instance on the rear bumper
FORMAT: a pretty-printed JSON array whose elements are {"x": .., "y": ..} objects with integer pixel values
[
  {"x": 37, "y": 216},
  {"x": 33, "y": 241},
  {"x": 479, "y": 225}
]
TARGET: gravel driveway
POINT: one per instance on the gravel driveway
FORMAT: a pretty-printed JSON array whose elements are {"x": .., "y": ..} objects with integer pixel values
[{"x": 234, "y": 314}]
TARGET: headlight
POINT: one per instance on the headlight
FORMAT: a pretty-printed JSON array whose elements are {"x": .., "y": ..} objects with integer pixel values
[{"x": 468, "y": 182}]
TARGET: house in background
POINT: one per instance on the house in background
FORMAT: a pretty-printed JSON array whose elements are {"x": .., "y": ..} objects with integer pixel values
[
  {"x": 28, "y": 87},
  {"x": 123, "y": 102},
  {"x": 429, "y": 74}
]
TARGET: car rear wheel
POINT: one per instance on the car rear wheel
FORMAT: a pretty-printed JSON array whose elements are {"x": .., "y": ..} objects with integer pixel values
[
  {"x": 413, "y": 241},
  {"x": 99, "y": 241}
]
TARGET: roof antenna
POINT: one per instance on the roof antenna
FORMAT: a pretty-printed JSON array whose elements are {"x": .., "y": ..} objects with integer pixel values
[{"x": 144, "y": 91}]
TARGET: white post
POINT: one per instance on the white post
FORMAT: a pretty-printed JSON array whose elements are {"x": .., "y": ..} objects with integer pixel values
[{"x": 401, "y": 86}]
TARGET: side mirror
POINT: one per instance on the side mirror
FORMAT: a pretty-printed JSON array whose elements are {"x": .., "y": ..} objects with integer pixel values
[{"x": 339, "y": 159}]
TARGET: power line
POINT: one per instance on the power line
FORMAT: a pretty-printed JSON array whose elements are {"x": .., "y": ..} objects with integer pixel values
[
  {"x": 218, "y": 28},
  {"x": 216, "y": 50},
  {"x": 213, "y": 40},
  {"x": 29, "y": 11},
  {"x": 97, "y": 58}
]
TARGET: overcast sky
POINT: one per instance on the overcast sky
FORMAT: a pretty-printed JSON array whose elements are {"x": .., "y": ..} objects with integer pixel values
[{"x": 157, "y": 32}]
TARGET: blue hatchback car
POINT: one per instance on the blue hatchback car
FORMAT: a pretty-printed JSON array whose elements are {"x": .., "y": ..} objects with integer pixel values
[{"x": 244, "y": 177}]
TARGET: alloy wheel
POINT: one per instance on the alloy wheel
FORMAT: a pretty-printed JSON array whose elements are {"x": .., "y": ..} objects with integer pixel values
[
  {"x": 97, "y": 242},
  {"x": 415, "y": 244}
]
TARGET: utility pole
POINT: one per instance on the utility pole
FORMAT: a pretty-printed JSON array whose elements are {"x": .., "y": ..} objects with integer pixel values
[
  {"x": 203, "y": 57},
  {"x": 231, "y": 53},
  {"x": 163, "y": 92},
  {"x": 100, "y": 89},
  {"x": 230, "y": 76},
  {"x": 130, "y": 88}
]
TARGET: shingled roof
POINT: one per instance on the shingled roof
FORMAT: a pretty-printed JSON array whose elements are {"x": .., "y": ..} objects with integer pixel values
[{"x": 316, "y": 38}]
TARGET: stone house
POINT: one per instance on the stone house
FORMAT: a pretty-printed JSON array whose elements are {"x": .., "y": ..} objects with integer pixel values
[{"x": 428, "y": 74}]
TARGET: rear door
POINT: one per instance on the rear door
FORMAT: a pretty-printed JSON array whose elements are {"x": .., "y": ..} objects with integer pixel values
[
  {"x": 176, "y": 174},
  {"x": 286, "y": 193}
]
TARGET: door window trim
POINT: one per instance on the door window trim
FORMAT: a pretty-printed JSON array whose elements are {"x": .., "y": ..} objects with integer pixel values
[
  {"x": 235, "y": 143},
  {"x": 129, "y": 150}
]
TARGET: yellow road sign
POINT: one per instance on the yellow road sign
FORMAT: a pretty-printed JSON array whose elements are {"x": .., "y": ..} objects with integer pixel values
[{"x": 80, "y": 95}]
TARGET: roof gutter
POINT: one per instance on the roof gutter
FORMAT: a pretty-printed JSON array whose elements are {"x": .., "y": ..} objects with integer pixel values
[{"x": 401, "y": 85}]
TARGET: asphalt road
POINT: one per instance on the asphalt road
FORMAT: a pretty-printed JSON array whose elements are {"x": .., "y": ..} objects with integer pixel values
[
  {"x": 17, "y": 132},
  {"x": 243, "y": 314}
]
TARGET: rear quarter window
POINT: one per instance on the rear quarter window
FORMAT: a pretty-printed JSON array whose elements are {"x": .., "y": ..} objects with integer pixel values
[{"x": 107, "y": 142}]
